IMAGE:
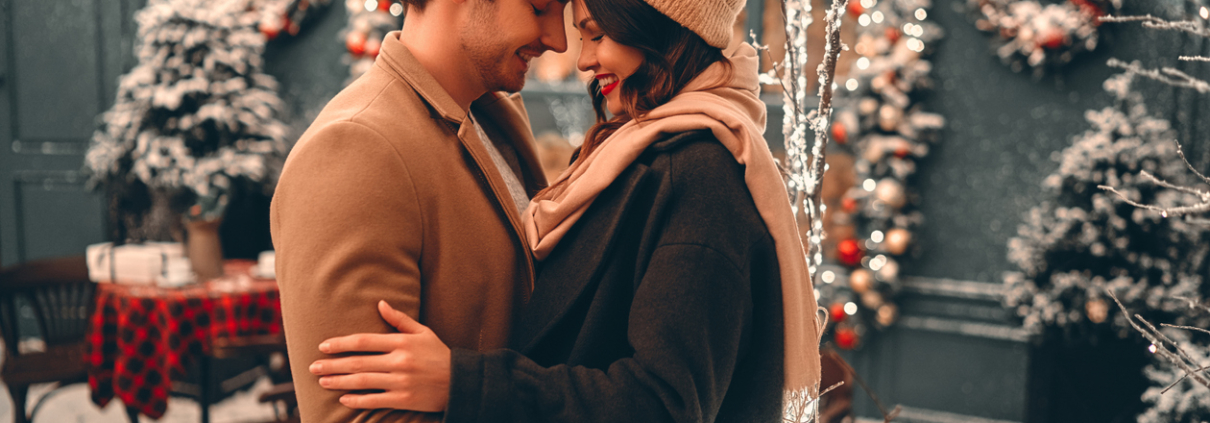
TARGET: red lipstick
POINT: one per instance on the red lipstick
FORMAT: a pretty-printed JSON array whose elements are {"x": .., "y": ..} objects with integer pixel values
[{"x": 605, "y": 90}]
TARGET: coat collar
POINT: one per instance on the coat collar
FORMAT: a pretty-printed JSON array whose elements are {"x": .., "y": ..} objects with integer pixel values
[
  {"x": 504, "y": 113},
  {"x": 397, "y": 59}
]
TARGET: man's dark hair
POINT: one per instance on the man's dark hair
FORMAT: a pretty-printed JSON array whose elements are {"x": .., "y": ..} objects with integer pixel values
[
  {"x": 421, "y": 3},
  {"x": 418, "y": 3}
]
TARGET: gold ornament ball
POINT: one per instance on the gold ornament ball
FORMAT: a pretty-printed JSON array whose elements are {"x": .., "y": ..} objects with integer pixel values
[
  {"x": 887, "y": 314},
  {"x": 875, "y": 151},
  {"x": 867, "y": 106},
  {"x": 890, "y": 192},
  {"x": 897, "y": 240},
  {"x": 871, "y": 299},
  {"x": 889, "y": 271},
  {"x": 1097, "y": 309},
  {"x": 889, "y": 117},
  {"x": 861, "y": 281}
]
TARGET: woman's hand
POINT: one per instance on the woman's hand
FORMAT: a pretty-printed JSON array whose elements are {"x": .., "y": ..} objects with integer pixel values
[{"x": 411, "y": 368}]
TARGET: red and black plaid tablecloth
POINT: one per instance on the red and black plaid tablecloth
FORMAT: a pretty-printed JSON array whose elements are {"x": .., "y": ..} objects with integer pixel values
[{"x": 143, "y": 337}]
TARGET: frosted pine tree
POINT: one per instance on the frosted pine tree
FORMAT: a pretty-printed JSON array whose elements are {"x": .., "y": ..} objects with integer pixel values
[
  {"x": 196, "y": 115},
  {"x": 1082, "y": 240}
]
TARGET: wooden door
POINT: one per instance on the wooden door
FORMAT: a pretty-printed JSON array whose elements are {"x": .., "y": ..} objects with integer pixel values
[{"x": 59, "y": 67}]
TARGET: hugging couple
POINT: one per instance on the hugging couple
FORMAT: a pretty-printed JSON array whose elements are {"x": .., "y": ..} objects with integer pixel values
[{"x": 430, "y": 272}]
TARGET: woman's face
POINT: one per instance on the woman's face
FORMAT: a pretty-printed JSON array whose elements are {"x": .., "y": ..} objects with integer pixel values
[{"x": 610, "y": 62}]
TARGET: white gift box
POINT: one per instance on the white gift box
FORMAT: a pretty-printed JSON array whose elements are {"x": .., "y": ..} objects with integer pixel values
[
  {"x": 266, "y": 265},
  {"x": 158, "y": 263}
]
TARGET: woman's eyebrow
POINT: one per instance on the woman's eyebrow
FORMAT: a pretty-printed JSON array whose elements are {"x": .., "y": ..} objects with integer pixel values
[{"x": 584, "y": 23}]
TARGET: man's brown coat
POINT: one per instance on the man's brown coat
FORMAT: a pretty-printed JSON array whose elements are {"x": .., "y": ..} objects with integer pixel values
[{"x": 391, "y": 195}]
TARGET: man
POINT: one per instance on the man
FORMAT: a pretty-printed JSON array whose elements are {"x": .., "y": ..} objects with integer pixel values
[{"x": 408, "y": 188}]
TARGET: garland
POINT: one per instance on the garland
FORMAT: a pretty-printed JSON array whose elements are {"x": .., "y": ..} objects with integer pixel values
[
  {"x": 369, "y": 22},
  {"x": 881, "y": 122},
  {"x": 288, "y": 16}
]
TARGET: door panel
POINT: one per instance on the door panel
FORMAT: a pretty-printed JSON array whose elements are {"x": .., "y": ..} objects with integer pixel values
[
  {"x": 59, "y": 65},
  {"x": 55, "y": 214},
  {"x": 56, "y": 74}
]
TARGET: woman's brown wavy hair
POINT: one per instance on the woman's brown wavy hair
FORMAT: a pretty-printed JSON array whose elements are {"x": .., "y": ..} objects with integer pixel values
[{"x": 673, "y": 56}]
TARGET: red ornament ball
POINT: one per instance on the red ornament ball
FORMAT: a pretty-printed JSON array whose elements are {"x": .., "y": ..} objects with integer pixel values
[
  {"x": 1052, "y": 39},
  {"x": 1090, "y": 9},
  {"x": 384, "y": 5},
  {"x": 836, "y": 312},
  {"x": 846, "y": 338},
  {"x": 372, "y": 48},
  {"x": 271, "y": 27},
  {"x": 356, "y": 43},
  {"x": 839, "y": 133},
  {"x": 848, "y": 204},
  {"x": 855, "y": 8},
  {"x": 849, "y": 251},
  {"x": 892, "y": 34}
]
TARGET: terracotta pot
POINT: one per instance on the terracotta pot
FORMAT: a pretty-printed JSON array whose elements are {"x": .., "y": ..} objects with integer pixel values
[{"x": 204, "y": 249}]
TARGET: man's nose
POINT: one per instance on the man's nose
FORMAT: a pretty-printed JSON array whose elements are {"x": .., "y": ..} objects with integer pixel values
[{"x": 554, "y": 35}]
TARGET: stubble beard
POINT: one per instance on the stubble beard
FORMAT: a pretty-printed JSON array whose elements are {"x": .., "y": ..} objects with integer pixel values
[{"x": 492, "y": 59}]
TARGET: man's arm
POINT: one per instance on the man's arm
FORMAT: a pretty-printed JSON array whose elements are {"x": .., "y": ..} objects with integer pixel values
[{"x": 348, "y": 231}]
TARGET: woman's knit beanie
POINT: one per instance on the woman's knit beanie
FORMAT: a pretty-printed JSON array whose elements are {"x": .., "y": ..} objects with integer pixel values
[{"x": 710, "y": 19}]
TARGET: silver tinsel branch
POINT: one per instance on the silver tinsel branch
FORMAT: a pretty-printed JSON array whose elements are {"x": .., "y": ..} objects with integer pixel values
[
  {"x": 805, "y": 166},
  {"x": 821, "y": 121},
  {"x": 805, "y": 171}
]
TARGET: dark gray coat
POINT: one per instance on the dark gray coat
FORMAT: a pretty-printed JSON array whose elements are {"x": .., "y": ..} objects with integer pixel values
[{"x": 662, "y": 304}]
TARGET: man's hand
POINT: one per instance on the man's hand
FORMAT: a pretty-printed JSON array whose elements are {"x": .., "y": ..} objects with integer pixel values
[{"x": 411, "y": 368}]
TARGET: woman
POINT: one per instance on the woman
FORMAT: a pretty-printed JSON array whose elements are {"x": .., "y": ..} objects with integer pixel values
[{"x": 672, "y": 284}]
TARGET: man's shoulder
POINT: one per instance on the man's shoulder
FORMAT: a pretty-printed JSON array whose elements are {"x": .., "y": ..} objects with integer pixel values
[{"x": 380, "y": 103}]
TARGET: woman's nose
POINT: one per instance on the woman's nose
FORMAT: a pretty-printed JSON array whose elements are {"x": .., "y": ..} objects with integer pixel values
[{"x": 587, "y": 59}]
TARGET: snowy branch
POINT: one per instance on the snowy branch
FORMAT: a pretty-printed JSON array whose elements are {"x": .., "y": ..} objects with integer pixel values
[
  {"x": 1149, "y": 21},
  {"x": 1177, "y": 355},
  {"x": 1176, "y": 78},
  {"x": 1166, "y": 75}
]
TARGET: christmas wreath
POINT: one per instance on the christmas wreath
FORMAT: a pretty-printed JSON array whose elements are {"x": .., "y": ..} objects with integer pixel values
[{"x": 1040, "y": 37}]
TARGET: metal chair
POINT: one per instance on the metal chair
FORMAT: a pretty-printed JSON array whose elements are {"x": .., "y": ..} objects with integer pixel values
[
  {"x": 284, "y": 402},
  {"x": 61, "y": 298},
  {"x": 281, "y": 396}
]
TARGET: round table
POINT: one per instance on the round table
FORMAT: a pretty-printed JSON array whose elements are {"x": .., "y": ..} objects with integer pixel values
[{"x": 142, "y": 337}]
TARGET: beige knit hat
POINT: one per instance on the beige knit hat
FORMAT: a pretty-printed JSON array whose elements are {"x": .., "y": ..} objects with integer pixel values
[{"x": 710, "y": 19}]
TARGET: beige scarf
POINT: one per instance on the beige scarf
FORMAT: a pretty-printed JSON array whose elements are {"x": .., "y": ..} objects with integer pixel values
[{"x": 736, "y": 116}]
